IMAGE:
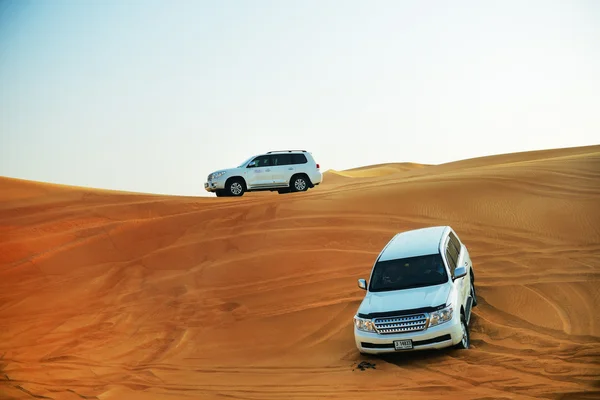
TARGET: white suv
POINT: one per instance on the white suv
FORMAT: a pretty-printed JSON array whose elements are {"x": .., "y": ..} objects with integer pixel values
[
  {"x": 285, "y": 171},
  {"x": 420, "y": 294}
]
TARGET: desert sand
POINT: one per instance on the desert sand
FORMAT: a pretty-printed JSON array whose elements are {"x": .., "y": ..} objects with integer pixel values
[{"x": 110, "y": 295}]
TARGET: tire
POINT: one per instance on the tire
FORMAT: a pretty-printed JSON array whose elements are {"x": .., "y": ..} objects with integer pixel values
[
  {"x": 465, "y": 343},
  {"x": 473, "y": 294},
  {"x": 235, "y": 188},
  {"x": 221, "y": 193},
  {"x": 299, "y": 183}
]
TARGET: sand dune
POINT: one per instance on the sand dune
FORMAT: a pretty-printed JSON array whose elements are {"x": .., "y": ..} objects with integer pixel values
[
  {"x": 375, "y": 170},
  {"x": 334, "y": 177},
  {"x": 108, "y": 295}
]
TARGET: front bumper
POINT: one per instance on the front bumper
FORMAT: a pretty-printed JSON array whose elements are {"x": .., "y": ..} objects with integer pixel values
[
  {"x": 213, "y": 186},
  {"x": 437, "y": 337}
]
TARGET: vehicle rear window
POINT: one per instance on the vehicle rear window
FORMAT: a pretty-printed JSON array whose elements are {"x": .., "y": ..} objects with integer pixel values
[{"x": 299, "y": 159}]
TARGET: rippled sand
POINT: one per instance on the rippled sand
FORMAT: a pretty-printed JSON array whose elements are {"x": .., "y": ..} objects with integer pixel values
[{"x": 114, "y": 295}]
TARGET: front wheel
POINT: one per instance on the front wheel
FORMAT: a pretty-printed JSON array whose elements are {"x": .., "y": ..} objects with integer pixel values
[
  {"x": 465, "y": 342},
  {"x": 235, "y": 188}
]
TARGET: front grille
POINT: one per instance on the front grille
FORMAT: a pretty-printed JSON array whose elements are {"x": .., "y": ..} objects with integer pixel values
[
  {"x": 408, "y": 323},
  {"x": 210, "y": 177}
]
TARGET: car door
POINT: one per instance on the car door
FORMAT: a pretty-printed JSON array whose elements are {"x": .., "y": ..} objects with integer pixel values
[
  {"x": 259, "y": 172},
  {"x": 282, "y": 169}
]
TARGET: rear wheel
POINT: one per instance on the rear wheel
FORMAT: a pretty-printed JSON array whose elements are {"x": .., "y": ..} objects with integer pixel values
[
  {"x": 235, "y": 188},
  {"x": 473, "y": 294},
  {"x": 299, "y": 184},
  {"x": 465, "y": 342}
]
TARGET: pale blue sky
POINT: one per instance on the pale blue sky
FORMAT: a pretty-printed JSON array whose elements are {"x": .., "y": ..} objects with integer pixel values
[{"x": 152, "y": 96}]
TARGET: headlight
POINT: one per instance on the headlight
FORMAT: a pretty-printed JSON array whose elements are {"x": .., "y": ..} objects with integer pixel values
[
  {"x": 440, "y": 316},
  {"x": 217, "y": 175},
  {"x": 364, "y": 324}
]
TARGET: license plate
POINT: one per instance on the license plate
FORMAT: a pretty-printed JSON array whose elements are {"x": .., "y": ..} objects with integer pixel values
[{"x": 403, "y": 344}]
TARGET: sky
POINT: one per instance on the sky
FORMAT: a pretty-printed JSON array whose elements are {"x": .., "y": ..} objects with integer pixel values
[{"x": 152, "y": 96}]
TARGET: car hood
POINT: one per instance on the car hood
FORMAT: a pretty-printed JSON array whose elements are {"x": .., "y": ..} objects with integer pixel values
[
  {"x": 228, "y": 171},
  {"x": 407, "y": 299}
]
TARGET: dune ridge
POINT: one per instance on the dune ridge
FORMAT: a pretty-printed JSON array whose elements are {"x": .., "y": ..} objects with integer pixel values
[
  {"x": 107, "y": 295},
  {"x": 378, "y": 170}
]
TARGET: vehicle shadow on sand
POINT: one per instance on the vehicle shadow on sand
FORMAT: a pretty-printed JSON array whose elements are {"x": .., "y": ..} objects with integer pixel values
[{"x": 409, "y": 358}]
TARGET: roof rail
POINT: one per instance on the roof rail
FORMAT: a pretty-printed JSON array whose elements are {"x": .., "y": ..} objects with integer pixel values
[{"x": 284, "y": 151}]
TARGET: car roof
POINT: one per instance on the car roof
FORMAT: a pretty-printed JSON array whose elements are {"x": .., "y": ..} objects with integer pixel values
[
  {"x": 286, "y": 151},
  {"x": 416, "y": 242}
]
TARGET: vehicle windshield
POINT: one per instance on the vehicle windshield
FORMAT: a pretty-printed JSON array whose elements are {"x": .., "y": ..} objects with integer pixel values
[
  {"x": 242, "y": 165},
  {"x": 407, "y": 273}
]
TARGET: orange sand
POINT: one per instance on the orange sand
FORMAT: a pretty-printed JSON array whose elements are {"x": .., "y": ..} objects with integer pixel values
[{"x": 108, "y": 295}]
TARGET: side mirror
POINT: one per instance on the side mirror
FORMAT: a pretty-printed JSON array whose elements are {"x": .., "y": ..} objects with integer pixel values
[
  {"x": 362, "y": 284},
  {"x": 251, "y": 165},
  {"x": 459, "y": 272}
]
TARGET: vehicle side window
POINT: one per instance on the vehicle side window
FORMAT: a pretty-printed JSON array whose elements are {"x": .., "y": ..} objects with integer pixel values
[
  {"x": 299, "y": 158},
  {"x": 453, "y": 241},
  {"x": 262, "y": 161},
  {"x": 281, "y": 159},
  {"x": 452, "y": 256}
]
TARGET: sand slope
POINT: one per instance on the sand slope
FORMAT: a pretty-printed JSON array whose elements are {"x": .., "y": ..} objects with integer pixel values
[{"x": 130, "y": 296}]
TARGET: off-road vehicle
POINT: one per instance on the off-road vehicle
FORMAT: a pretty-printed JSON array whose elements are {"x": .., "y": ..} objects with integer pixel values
[
  {"x": 282, "y": 171},
  {"x": 420, "y": 294}
]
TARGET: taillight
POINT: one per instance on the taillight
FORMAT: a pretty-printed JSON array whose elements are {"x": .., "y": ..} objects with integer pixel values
[{"x": 318, "y": 166}]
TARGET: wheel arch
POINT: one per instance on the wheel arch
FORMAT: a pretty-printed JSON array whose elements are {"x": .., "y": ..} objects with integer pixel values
[
  {"x": 237, "y": 177},
  {"x": 304, "y": 175}
]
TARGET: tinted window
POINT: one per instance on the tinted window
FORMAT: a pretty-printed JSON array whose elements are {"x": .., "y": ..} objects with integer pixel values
[
  {"x": 262, "y": 161},
  {"x": 454, "y": 242},
  {"x": 452, "y": 256},
  {"x": 281, "y": 159},
  {"x": 298, "y": 159},
  {"x": 408, "y": 273}
]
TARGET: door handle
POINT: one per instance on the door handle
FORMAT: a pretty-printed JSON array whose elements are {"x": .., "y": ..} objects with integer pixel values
[{"x": 268, "y": 169}]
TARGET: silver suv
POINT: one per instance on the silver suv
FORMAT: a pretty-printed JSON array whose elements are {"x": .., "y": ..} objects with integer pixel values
[
  {"x": 420, "y": 296},
  {"x": 284, "y": 171}
]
